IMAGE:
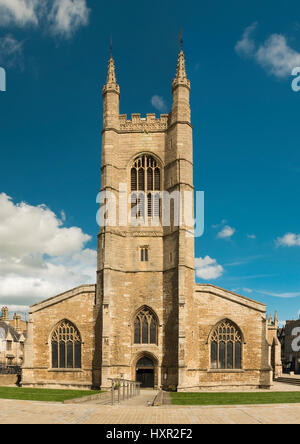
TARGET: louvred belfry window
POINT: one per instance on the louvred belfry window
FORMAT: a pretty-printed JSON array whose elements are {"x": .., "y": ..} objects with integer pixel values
[
  {"x": 226, "y": 347},
  {"x": 146, "y": 179},
  {"x": 66, "y": 347},
  {"x": 145, "y": 328}
]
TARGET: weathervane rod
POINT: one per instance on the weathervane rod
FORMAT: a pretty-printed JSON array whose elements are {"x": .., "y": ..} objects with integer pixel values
[
  {"x": 111, "y": 47},
  {"x": 181, "y": 39}
]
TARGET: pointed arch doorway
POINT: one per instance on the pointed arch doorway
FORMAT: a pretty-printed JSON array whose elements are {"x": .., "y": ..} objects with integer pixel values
[{"x": 145, "y": 372}]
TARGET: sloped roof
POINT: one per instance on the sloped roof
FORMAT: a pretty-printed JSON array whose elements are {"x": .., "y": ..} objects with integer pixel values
[
  {"x": 61, "y": 297},
  {"x": 10, "y": 330},
  {"x": 233, "y": 297}
]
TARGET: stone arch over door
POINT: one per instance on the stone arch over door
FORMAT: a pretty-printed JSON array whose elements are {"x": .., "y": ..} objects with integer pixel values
[{"x": 145, "y": 369}]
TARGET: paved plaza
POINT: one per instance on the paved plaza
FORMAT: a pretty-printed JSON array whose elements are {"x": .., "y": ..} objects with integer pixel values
[
  {"x": 27, "y": 412},
  {"x": 136, "y": 411}
]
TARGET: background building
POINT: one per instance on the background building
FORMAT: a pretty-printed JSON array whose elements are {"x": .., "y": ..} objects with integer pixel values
[
  {"x": 290, "y": 346},
  {"x": 12, "y": 339}
]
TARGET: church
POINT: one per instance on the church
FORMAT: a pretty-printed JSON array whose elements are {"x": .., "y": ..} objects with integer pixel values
[{"x": 146, "y": 319}]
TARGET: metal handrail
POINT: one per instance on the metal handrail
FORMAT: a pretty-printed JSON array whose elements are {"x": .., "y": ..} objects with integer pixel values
[{"x": 130, "y": 389}]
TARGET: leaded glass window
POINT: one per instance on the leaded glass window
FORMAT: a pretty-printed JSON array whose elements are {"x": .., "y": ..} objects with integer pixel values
[
  {"x": 145, "y": 187},
  {"x": 214, "y": 355},
  {"x": 226, "y": 347},
  {"x": 137, "y": 331},
  {"x": 66, "y": 347},
  {"x": 145, "y": 328},
  {"x": 238, "y": 355},
  {"x": 144, "y": 254},
  {"x": 152, "y": 331}
]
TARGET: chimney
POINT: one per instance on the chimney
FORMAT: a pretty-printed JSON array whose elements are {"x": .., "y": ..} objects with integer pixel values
[
  {"x": 276, "y": 319},
  {"x": 17, "y": 323},
  {"x": 4, "y": 316}
]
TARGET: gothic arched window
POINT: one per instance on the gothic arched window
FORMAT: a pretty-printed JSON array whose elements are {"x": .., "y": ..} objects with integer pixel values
[
  {"x": 66, "y": 346},
  {"x": 145, "y": 186},
  {"x": 226, "y": 346},
  {"x": 145, "y": 328}
]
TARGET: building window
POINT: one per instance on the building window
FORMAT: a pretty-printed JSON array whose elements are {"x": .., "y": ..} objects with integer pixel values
[
  {"x": 145, "y": 328},
  {"x": 144, "y": 254},
  {"x": 9, "y": 345},
  {"x": 145, "y": 187},
  {"x": 66, "y": 347},
  {"x": 226, "y": 347}
]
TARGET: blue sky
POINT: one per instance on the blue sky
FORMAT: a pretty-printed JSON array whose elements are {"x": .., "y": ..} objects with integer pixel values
[{"x": 239, "y": 58}]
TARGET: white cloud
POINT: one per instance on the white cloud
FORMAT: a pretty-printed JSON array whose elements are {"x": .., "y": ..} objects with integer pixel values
[
  {"x": 247, "y": 290},
  {"x": 20, "y": 12},
  {"x": 63, "y": 216},
  {"x": 208, "y": 268},
  {"x": 25, "y": 228},
  {"x": 226, "y": 232},
  {"x": 223, "y": 222},
  {"x": 17, "y": 308},
  {"x": 244, "y": 260},
  {"x": 289, "y": 240},
  {"x": 63, "y": 17},
  {"x": 66, "y": 16},
  {"x": 275, "y": 55},
  {"x": 158, "y": 103},
  {"x": 246, "y": 46},
  {"x": 287, "y": 295},
  {"x": 11, "y": 51},
  {"x": 242, "y": 290},
  {"x": 284, "y": 295},
  {"x": 39, "y": 257},
  {"x": 251, "y": 236}
]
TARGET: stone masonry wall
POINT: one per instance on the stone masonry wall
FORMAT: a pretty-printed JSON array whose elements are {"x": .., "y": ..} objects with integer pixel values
[{"x": 78, "y": 309}]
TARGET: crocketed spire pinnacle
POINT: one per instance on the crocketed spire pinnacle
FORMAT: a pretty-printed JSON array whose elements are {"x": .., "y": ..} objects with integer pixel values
[
  {"x": 111, "y": 81},
  {"x": 181, "y": 78},
  {"x": 111, "y": 73},
  {"x": 180, "y": 71}
]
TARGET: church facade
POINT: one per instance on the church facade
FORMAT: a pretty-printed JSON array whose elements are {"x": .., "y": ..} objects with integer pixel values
[{"x": 146, "y": 319}]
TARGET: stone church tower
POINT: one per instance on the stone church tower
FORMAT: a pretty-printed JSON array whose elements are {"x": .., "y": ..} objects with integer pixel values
[
  {"x": 146, "y": 154},
  {"x": 146, "y": 319}
]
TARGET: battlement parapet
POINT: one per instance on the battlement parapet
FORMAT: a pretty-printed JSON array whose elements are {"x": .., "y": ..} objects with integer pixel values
[{"x": 145, "y": 124}]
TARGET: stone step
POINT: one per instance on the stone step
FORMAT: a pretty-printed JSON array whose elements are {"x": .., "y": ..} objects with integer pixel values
[{"x": 292, "y": 381}]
